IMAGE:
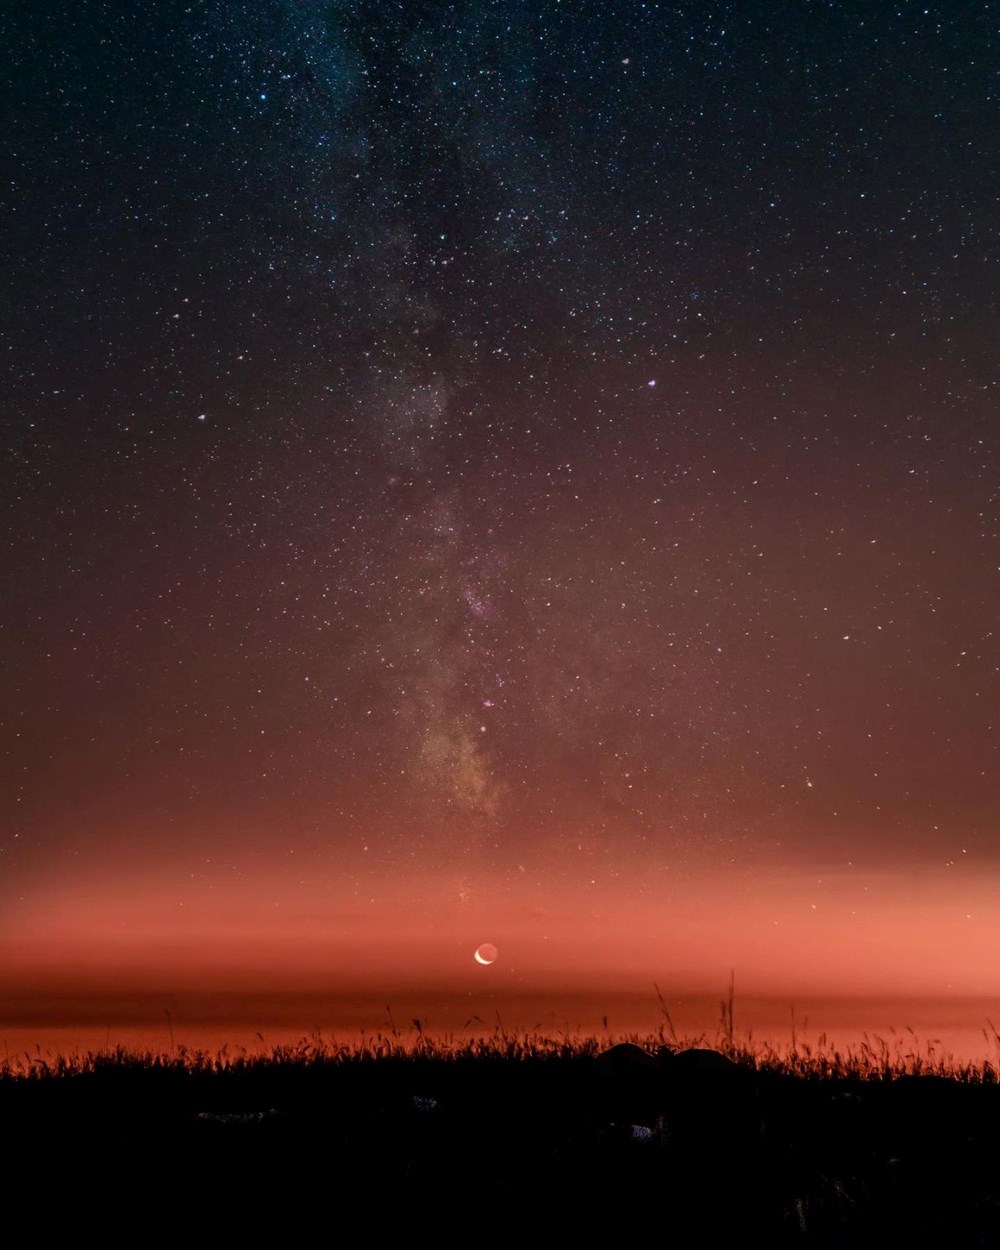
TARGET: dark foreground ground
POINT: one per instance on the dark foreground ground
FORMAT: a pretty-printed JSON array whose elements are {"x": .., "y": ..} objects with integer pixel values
[{"x": 508, "y": 1144}]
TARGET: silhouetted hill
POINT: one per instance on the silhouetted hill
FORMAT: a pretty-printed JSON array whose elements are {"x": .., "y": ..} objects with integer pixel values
[{"x": 504, "y": 1138}]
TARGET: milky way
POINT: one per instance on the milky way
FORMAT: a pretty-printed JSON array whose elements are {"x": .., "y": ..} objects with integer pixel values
[{"x": 510, "y": 449}]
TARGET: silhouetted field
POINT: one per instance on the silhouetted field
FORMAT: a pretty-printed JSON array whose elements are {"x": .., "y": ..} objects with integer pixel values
[{"x": 403, "y": 1136}]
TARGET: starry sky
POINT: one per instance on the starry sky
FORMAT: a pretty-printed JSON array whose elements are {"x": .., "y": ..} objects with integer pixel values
[{"x": 502, "y": 471}]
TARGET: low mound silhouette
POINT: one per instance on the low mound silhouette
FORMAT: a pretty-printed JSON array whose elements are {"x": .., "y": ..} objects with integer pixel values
[{"x": 519, "y": 1133}]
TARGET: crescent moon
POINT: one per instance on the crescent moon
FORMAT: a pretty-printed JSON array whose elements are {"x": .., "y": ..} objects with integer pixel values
[{"x": 485, "y": 954}]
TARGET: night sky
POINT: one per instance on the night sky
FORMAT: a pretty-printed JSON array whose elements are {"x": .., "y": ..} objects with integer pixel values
[{"x": 502, "y": 471}]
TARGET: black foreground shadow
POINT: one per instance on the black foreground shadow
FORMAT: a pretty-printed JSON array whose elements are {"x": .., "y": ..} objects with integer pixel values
[{"x": 507, "y": 1141}]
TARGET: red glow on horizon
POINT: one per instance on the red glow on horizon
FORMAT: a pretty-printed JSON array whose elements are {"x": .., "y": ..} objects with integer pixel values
[{"x": 829, "y": 933}]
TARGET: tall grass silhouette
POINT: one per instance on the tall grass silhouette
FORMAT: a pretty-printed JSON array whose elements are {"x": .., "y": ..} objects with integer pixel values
[
  {"x": 873, "y": 1058},
  {"x": 802, "y": 1144}
]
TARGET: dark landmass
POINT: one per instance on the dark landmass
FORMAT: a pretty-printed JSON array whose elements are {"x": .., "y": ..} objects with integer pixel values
[{"x": 500, "y": 1140}]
